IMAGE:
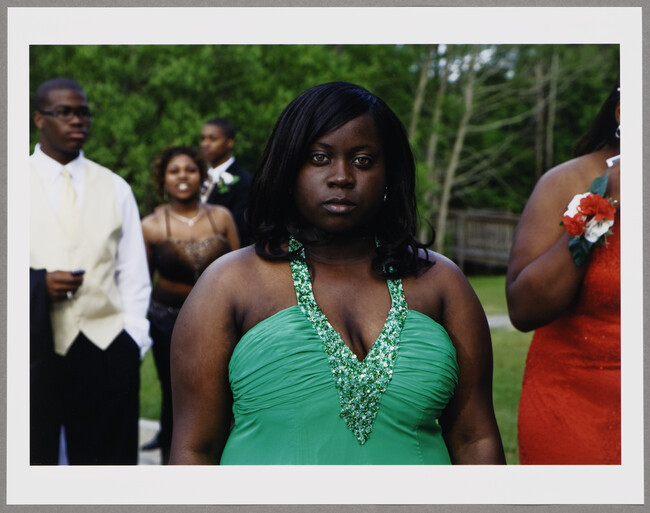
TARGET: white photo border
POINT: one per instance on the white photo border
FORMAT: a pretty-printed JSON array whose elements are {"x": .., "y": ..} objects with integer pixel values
[{"x": 25, "y": 484}]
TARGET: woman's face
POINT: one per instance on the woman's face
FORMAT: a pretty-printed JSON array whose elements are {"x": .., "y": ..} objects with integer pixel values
[
  {"x": 182, "y": 178},
  {"x": 340, "y": 187}
]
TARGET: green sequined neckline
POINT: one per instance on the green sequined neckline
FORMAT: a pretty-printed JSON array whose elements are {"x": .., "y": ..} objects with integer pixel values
[{"x": 361, "y": 384}]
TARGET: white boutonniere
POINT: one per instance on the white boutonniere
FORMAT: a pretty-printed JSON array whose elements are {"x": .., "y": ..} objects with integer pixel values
[{"x": 226, "y": 181}]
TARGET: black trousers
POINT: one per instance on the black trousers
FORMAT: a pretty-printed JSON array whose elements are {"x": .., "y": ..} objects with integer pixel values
[
  {"x": 162, "y": 319},
  {"x": 44, "y": 411},
  {"x": 99, "y": 401}
]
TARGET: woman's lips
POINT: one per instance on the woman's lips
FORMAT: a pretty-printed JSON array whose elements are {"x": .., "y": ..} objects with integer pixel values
[{"x": 339, "y": 206}]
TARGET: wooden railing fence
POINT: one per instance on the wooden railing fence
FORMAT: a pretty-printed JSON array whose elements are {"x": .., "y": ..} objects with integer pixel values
[{"x": 480, "y": 236}]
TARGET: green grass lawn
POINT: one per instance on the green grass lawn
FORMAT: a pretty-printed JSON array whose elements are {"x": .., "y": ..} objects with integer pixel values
[
  {"x": 491, "y": 290},
  {"x": 150, "y": 395},
  {"x": 509, "y": 346}
]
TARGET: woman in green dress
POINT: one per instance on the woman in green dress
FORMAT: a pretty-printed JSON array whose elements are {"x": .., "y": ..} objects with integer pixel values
[{"x": 337, "y": 338}]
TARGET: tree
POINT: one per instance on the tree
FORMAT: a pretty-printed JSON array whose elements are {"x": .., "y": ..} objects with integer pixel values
[
  {"x": 461, "y": 131},
  {"x": 422, "y": 85},
  {"x": 522, "y": 121}
]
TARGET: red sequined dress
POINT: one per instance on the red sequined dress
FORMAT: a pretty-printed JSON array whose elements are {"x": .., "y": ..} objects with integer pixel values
[{"x": 570, "y": 407}]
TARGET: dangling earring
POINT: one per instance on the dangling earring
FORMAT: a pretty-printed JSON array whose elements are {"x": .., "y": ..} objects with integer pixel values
[
  {"x": 618, "y": 132},
  {"x": 385, "y": 194}
]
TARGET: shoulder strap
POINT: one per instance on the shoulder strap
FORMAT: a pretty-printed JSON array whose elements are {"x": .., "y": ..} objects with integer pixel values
[
  {"x": 167, "y": 226},
  {"x": 212, "y": 223}
]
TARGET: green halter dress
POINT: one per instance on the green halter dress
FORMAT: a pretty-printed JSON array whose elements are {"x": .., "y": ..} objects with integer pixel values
[{"x": 301, "y": 397}]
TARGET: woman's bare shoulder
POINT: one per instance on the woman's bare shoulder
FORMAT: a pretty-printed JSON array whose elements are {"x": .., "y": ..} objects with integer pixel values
[
  {"x": 217, "y": 210},
  {"x": 556, "y": 187},
  {"x": 243, "y": 270},
  {"x": 153, "y": 216},
  {"x": 239, "y": 266},
  {"x": 445, "y": 286},
  {"x": 153, "y": 225},
  {"x": 256, "y": 288},
  {"x": 575, "y": 175},
  {"x": 226, "y": 280},
  {"x": 428, "y": 292},
  {"x": 443, "y": 268}
]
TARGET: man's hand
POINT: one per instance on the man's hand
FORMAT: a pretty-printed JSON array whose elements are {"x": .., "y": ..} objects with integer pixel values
[{"x": 62, "y": 285}]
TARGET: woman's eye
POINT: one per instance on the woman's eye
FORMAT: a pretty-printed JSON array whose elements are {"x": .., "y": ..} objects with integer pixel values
[
  {"x": 319, "y": 158},
  {"x": 363, "y": 161}
]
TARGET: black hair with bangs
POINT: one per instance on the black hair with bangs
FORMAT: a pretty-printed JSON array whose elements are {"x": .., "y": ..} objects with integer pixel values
[{"x": 272, "y": 214}]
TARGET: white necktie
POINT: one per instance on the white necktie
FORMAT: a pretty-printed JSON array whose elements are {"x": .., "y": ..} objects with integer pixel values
[
  {"x": 69, "y": 212},
  {"x": 206, "y": 189}
]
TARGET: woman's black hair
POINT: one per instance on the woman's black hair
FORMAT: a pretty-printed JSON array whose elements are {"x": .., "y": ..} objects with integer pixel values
[
  {"x": 162, "y": 161},
  {"x": 272, "y": 214},
  {"x": 602, "y": 133}
]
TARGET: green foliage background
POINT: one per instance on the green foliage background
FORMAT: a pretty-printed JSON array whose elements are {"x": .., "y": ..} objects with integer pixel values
[{"x": 146, "y": 97}]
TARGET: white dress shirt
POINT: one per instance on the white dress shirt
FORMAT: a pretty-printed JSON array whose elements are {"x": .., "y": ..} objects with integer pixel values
[
  {"x": 217, "y": 172},
  {"x": 131, "y": 268},
  {"x": 214, "y": 175}
]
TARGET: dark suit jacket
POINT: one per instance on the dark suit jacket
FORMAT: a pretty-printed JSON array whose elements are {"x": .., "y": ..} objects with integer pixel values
[
  {"x": 235, "y": 199},
  {"x": 41, "y": 343},
  {"x": 44, "y": 392}
]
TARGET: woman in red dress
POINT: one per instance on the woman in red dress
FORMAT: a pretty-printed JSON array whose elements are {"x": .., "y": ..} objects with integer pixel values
[{"x": 570, "y": 407}]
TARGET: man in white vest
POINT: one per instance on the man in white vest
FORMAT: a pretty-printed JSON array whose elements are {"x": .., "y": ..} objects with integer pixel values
[{"x": 89, "y": 278}]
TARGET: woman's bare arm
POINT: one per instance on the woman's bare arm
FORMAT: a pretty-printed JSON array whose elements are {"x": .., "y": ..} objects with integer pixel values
[
  {"x": 469, "y": 425},
  {"x": 204, "y": 337},
  {"x": 542, "y": 279}
]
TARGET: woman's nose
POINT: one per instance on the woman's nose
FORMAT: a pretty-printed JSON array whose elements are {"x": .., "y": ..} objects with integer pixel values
[{"x": 341, "y": 175}]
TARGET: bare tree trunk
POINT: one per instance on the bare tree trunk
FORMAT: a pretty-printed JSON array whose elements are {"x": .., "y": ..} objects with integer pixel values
[
  {"x": 539, "y": 121},
  {"x": 419, "y": 95},
  {"x": 552, "y": 102},
  {"x": 430, "y": 160},
  {"x": 468, "y": 100},
  {"x": 431, "y": 195}
]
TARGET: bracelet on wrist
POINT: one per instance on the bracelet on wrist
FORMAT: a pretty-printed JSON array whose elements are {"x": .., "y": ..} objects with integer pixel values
[{"x": 588, "y": 220}]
